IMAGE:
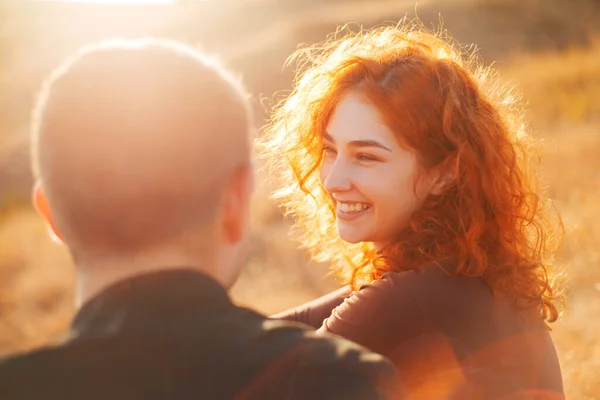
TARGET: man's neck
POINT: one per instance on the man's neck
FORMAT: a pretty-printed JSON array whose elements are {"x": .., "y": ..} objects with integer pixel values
[{"x": 93, "y": 277}]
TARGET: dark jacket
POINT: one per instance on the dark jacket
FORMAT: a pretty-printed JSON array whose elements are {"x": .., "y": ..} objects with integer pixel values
[
  {"x": 449, "y": 336},
  {"x": 176, "y": 335}
]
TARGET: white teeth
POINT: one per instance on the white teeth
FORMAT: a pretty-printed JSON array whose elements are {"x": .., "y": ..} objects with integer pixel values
[{"x": 352, "y": 207}]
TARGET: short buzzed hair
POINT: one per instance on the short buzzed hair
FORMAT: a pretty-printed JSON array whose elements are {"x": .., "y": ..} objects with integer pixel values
[{"x": 133, "y": 140}]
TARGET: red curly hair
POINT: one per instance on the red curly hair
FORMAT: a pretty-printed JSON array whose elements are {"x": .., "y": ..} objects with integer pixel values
[{"x": 492, "y": 221}]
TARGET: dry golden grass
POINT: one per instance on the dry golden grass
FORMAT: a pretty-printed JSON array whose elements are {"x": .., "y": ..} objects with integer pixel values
[
  {"x": 36, "y": 296},
  {"x": 564, "y": 93}
]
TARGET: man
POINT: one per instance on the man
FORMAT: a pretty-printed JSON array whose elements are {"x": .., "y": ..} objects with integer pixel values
[{"x": 142, "y": 154}]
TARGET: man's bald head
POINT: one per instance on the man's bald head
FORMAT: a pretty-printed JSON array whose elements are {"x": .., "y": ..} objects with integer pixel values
[{"x": 134, "y": 142}]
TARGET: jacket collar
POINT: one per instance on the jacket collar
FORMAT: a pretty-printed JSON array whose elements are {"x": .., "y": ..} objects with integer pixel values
[{"x": 150, "y": 303}]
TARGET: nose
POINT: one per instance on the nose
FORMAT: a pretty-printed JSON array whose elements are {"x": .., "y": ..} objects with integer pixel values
[{"x": 336, "y": 177}]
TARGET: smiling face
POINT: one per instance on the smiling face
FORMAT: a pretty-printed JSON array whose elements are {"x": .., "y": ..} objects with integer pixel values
[{"x": 370, "y": 177}]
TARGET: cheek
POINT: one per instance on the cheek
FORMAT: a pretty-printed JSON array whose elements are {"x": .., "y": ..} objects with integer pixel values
[
  {"x": 380, "y": 186},
  {"x": 374, "y": 189},
  {"x": 392, "y": 194}
]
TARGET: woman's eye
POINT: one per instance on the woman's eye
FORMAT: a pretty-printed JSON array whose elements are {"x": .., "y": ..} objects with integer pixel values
[{"x": 365, "y": 157}]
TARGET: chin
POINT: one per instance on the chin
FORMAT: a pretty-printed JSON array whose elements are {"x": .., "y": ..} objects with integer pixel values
[
  {"x": 352, "y": 236},
  {"x": 351, "y": 241}
]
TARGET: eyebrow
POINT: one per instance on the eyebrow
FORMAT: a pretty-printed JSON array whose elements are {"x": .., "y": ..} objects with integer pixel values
[{"x": 359, "y": 143}]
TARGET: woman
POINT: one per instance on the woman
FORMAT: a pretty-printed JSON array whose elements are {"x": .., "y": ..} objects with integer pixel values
[{"x": 406, "y": 165}]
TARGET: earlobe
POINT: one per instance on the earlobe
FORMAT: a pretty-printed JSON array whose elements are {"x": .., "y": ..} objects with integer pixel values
[
  {"x": 40, "y": 202},
  {"x": 442, "y": 181}
]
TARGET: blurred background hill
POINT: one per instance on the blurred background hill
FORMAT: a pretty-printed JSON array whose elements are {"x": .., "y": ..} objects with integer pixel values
[{"x": 549, "y": 49}]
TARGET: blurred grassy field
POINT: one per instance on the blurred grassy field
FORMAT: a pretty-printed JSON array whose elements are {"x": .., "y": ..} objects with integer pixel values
[
  {"x": 562, "y": 87},
  {"x": 564, "y": 94}
]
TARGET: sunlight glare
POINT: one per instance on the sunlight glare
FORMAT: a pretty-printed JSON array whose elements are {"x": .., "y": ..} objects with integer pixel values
[{"x": 112, "y": 1}]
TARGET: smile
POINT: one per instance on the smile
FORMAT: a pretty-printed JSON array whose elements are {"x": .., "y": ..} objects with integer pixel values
[{"x": 350, "y": 211}]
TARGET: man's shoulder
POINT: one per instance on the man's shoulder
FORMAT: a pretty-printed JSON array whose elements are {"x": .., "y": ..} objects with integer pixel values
[
  {"x": 319, "y": 347},
  {"x": 338, "y": 366},
  {"x": 267, "y": 359},
  {"x": 301, "y": 341},
  {"x": 32, "y": 374},
  {"x": 30, "y": 359}
]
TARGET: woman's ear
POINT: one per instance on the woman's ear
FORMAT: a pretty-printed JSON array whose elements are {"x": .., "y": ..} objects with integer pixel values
[
  {"x": 40, "y": 202},
  {"x": 443, "y": 178}
]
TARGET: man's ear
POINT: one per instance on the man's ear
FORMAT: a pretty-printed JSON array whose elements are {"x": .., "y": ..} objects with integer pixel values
[
  {"x": 237, "y": 204},
  {"x": 40, "y": 202}
]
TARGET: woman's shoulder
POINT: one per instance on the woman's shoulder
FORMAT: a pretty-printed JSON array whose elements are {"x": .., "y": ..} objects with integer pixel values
[
  {"x": 433, "y": 280},
  {"x": 396, "y": 307},
  {"x": 444, "y": 298},
  {"x": 418, "y": 287}
]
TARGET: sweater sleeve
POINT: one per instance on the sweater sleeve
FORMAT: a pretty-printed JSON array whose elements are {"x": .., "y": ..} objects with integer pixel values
[
  {"x": 314, "y": 312},
  {"x": 378, "y": 316}
]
